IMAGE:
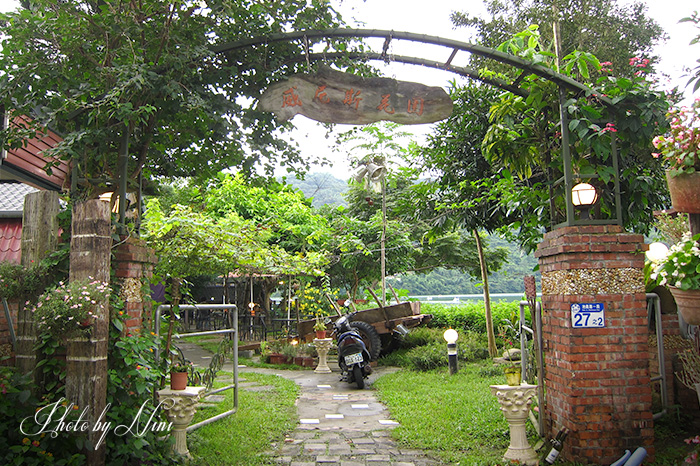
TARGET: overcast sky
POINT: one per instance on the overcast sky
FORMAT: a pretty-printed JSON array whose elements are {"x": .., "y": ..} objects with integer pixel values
[{"x": 432, "y": 18}]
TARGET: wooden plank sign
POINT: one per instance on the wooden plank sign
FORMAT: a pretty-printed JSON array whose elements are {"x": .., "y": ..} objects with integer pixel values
[{"x": 331, "y": 96}]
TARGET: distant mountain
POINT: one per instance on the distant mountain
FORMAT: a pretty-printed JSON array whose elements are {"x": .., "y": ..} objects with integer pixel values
[{"x": 324, "y": 188}]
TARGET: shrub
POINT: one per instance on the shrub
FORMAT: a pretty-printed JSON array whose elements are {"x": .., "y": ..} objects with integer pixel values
[
  {"x": 425, "y": 349},
  {"x": 471, "y": 316}
]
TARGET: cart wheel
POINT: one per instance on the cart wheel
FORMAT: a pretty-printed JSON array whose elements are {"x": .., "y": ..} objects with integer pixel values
[{"x": 371, "y": 338}]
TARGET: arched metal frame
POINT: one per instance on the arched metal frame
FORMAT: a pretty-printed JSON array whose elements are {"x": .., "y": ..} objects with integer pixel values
[{"x": 563, "y": 82}]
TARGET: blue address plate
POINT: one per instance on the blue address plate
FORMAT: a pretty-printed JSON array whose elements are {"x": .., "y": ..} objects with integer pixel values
[{"x": 587, "y": 315}]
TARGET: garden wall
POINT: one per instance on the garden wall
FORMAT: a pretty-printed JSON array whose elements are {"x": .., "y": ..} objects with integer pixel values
[
  {"x": 597, "y": 379},
  {"x": 133, "y": 262}
]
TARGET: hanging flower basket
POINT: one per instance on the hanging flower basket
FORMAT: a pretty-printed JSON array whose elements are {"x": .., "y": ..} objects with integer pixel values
[
  {"x": 688, "y": 303},
  {"x": 685, "y": 191}
]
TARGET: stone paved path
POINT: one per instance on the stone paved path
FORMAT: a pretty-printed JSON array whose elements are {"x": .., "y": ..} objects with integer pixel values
[
  {"x": 338, "y": 424},
  {"x": 341, "y": 425}
]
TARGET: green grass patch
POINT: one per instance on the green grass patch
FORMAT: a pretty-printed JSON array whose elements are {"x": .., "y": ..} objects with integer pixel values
[
  {"x": 454, "y": 417},
  {"x": 243, "y": 438}
]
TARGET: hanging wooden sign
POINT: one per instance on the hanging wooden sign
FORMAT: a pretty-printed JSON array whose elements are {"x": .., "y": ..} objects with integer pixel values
[{"x": 331, "y": 96}]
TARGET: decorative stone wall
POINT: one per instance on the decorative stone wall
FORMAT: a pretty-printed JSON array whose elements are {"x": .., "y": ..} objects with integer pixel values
[
  {"x": 597, "y": 379},
  {"x": 133, "y": 262}
]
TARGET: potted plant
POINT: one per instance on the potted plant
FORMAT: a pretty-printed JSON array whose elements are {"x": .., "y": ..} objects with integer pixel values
[
  {"x": 680, "y": 148},
  {"x": 289, "y": 352},
  {"x": 70, "y": 310},
  {"x": 320, "y": 327},
  {"x": 680, "y": 272},
  {"x": 511, "y": 356},
  {"x": 178, "y": 375}
]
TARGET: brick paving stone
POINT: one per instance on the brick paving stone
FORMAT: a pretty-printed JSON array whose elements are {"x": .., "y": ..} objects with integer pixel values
[
  {"x": 290, "y": 450},
  {"x": 364, "y": 451},
  {"x": 303, "y": 463},
  {"x": 315, "y": 447},
  {"x": 325, "y": 459},
  {"x": 339, "y": 449},
  {"x": 352, "y": 463},
  {"x": 363, "y": 441},
  {"x": 376, "y": 458}
]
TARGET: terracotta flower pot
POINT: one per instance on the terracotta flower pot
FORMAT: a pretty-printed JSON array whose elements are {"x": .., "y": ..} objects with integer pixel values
[
  {"x": 685, "y": 192},
  {"x": 320, "y": 334},
  {"x": 178, "y": 380},
  {"x": 276, "y": 358},
  {"x": 688, "y": 304}
]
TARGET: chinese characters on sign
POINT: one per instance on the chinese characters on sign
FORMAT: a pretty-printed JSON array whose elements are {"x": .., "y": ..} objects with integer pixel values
[
  {"x": 334, "y": 97},
  {"x": 587, "y": 315}
]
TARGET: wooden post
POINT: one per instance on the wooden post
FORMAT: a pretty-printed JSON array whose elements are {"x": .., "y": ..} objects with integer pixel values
[
  {"x": 39, "y": 237},
  {"x": 86, "y": 359}
]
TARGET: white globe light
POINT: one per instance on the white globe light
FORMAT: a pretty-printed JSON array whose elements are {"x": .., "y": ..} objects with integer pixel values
[
  {"x": 657, "y": 252},
  {"x": 584, "y": 194},
  {"x": 450, "y": 335}
]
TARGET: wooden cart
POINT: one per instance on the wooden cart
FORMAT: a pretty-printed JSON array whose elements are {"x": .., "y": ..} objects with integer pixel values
[{"x": 385, "y": 323}]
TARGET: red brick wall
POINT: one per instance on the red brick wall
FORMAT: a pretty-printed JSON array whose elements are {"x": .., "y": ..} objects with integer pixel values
[
  {"x": 5, "y": 338},
  {"x": 133, "y": 262},
  {"x": 597, "y": 379}
]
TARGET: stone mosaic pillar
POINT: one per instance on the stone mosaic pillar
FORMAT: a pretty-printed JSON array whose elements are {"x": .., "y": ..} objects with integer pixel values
[
  {"x": 133, "y": 265},
  {"x": 597, "y": 370}
]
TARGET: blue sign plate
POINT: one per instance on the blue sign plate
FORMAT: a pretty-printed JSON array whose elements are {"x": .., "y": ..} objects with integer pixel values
[{"x": 587, "y": 315}]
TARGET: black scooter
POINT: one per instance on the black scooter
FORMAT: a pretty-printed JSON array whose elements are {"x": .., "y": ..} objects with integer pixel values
[{"x": 353, "y": 357}]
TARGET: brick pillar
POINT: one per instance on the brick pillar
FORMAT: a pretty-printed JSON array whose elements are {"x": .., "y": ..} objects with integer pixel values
[
  {"x": 133, "y": 263},
  {"x": 597, "y": 379}
]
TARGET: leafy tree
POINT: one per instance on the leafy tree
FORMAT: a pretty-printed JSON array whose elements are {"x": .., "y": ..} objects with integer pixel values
[
  {"x": 140, "y": 78},
  {"x": 695, "y": 73},
  {"x": 524, "y": 141},
  {"x": 450, "y": 249},
  {"x": 460, "y": 191},
  {"x": 612, "y": 32}
]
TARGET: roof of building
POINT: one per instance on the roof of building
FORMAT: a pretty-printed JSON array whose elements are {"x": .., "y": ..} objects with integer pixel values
[
  {"x": 12, "y": 198},
  {"x": 11, "y": 207},
  {"x": 10, "y": 239}
]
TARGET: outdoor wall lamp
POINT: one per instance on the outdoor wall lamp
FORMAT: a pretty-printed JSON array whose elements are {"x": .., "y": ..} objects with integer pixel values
[
  {"x": 657, "y": 252},
  {"x": 450, "y": 337},
  {"x": 583, "y": 196}
]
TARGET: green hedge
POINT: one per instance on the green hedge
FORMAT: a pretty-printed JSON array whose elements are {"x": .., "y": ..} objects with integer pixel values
[{"x": 470, "y": 316}]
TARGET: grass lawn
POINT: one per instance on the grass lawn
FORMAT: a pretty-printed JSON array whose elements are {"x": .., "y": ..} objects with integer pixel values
[
  {"x": 241, "y": 439},
  {"x": 456, "y": 417}
]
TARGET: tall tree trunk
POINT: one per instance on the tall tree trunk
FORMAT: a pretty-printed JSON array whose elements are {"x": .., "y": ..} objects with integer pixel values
[
  {"x": 86, "y": 358},
  {"x": 487, "y": 299},
  {"x": 39, "y": 238}
]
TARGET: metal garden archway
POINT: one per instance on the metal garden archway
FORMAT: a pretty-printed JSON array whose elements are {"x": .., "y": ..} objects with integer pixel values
[{"x": 564, "y": 83}]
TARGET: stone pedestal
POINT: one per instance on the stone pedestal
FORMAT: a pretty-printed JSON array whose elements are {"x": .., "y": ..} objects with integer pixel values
[
  {"x": 323, "y": 345},
  {"x": 515, "y": 404},
  {"x": 180, "y": 407}
]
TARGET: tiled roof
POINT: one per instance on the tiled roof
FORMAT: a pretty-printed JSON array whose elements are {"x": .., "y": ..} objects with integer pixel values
[
  {"x": 10, "y": 239},
  {"x": 12, "y": 197}
]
